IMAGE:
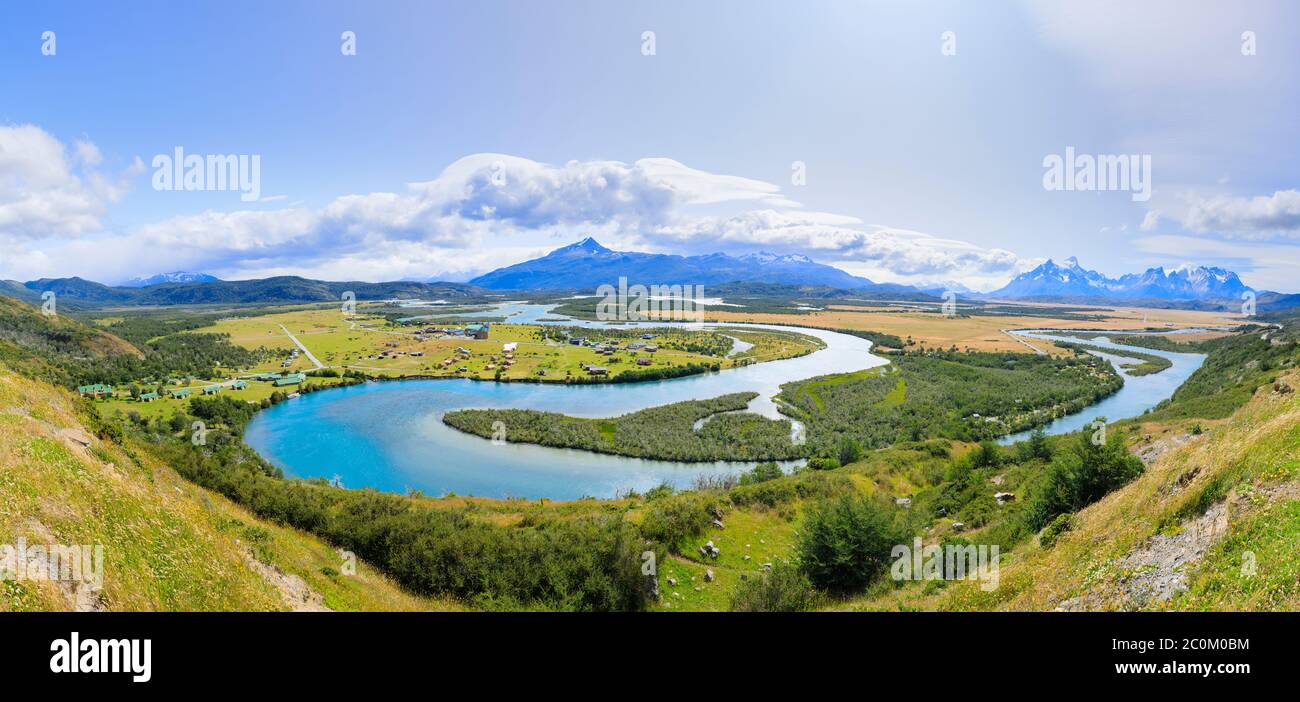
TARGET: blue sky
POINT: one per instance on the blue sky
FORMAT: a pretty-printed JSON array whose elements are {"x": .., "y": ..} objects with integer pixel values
[{"x": 465, "y": 136}]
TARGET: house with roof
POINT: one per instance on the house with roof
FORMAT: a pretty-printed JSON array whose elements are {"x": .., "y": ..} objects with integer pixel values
[
  {"x": 95, "y": 390},
  {"x": 180, "y": 393},
  {"x": 478, "y": 331},
  {"x": 148, "y": 397},
  {"x": 212, "y": 390},
  {"x": 290, "y": 379}
]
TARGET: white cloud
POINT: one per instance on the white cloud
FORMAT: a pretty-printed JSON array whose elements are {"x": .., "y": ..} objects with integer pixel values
[
  {"x": 1150, "y": 221},
  {"x": 1259, "y": 216},
  {"x": 46, "y": 192},
  {"x": 489, "y": 210}
]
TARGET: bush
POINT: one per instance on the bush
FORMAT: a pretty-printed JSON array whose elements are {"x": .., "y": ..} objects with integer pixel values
[
  {"x": 782, "y": 589},
  {"x": 850, "y": 451},
  {"x": 1059, "y": 525},
  {"x": 1082, "y": 475},
  {"x": 986, "y": 455},
  {"x": 845, "y": 543},
  {"x": 761, "y": 473},
  {"x": 823, "y": 463},
  {"x": 672, "y": 520}
]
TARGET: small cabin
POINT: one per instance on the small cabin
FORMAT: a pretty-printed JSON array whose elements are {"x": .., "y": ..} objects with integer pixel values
[{"x": 148, "y": 397}]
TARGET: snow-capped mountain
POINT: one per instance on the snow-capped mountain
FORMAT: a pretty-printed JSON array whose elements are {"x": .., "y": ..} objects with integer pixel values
[
  {"x": 173, "y": 277},
  {"x": 1187, "y": 282},
  {"x": 587, "y": 264}
]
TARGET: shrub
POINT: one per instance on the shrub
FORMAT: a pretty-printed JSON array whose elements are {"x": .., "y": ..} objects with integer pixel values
[
  {"x": 761, "y": 473},
  {"x": 670, "y": 521},
  {"x": 1083, "y": 474},
  {"x": 850, "y": 451},
  {"x": 986, "y": 455},
  {"x": 782, "y": 589},
  {"x": 1059, "y": 525},
  {"x": 823, "y": 463},
  {"x": 845, "y": 543}
]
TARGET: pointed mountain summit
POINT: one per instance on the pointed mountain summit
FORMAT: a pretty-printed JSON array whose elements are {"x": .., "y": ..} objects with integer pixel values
[
  {"x": 1185, "y": 283},
  {"x": 587, "y": 264}
]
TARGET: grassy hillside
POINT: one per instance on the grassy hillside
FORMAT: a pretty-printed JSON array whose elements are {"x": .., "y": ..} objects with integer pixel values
[
  {"x": 168, "y": 544},
  {"x": 1217, "y": 513}
]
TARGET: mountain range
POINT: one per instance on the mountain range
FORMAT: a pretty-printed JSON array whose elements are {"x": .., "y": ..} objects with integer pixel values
[
  {"x": 587, "y": 265},
  {"x": 173, "y": 277},
  {"x": 81, "y": 292},
  {"x": 1071, "y": 281}
]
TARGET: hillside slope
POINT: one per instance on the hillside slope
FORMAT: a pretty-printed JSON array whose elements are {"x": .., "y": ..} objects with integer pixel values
[
  {"x": 1212, "y": 524},
  {"x": 168, "y": 544}
]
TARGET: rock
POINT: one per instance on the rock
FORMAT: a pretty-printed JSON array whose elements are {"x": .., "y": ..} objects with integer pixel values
[
  {"x": 708, "y": 576},
  {"x": 996, "y": 480},
  {"x": 745, "y": 557},
  {"x": 672, "y": 581},
  {"x": 1281, "y": 387},
  {"x": 1004, "y": 497},
  {"x": 718, "y": 523},
  {"x": 958, "y": 526},
  {"x": 904, "y": 502},
  {"x": 767, "y": 566}
]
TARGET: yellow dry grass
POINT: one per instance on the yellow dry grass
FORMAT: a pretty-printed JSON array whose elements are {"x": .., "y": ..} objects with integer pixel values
[
  {"x": 980, "y": 333},
  {"x": 167, "y": 544}
]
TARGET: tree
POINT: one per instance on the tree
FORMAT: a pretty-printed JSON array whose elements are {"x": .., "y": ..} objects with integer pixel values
[
  {"x": 761, "y": 473},
  {"x": 987, "y": 455},
  {"x": 1083, "y": 474},
  {"x": 850, "y": 451},
  {"x": 1036, "y": 447},
  {"x": 845, "y": 543}
]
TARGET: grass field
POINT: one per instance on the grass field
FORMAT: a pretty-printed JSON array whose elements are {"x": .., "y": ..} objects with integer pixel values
[
  {"x": 375, "y": 346},
  {"x": 981, "y": 332}
]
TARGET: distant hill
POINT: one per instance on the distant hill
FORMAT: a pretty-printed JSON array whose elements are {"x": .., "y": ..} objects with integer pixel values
[
  {"x": 80, "y": 292},
  {"x": 1072, "y": 282},
  {"x": 173, "y": 277},
  {"x": 586, "y": 265}
]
